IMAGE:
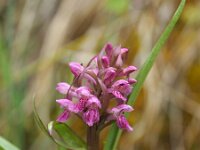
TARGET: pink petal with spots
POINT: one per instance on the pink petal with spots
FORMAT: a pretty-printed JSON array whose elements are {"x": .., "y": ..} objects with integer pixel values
[
  {"x": 123, "y": 123},
  {"x": 63, "y": 116},
  {"x": 91, "y": 116},
  {"x": 117, "y": 94}
]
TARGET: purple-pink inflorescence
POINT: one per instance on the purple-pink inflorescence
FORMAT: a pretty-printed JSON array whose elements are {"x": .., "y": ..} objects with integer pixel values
[{"x": 97, "y": 87}]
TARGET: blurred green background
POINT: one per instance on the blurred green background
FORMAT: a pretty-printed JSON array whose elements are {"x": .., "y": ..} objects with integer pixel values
[{"x": 39, "y": 37}]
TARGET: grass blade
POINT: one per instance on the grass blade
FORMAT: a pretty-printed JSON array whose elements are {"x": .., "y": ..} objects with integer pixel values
[
  {"x": 115, "y": 132},
  {"x": 5, "y": 145}
]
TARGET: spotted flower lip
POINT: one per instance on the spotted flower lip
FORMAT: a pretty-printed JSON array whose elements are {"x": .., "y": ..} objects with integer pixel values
[
  {"x": 95, "y": 85},
  {"x": 91, "y": 116}
]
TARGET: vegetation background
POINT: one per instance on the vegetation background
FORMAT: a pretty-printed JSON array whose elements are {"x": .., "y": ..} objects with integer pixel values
[{"x": 39, "y": 37}]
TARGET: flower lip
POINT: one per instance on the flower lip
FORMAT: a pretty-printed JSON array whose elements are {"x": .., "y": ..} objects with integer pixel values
[
  {"x": 93, "y": 101},
  {"x": 91, "y": 116}
]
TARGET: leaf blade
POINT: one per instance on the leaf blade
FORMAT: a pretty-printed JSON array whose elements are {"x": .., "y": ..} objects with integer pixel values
[
  {"x": 69, "y": 136},
  {"x": 52, "y": 125},
  {"x": 6, "y": 145}
]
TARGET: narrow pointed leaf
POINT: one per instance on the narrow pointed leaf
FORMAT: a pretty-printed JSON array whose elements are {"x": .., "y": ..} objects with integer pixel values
[
  {"x": 6, "y": 145},
  {"x": 66, "y": 135},
  {"x": 115, "y": 132},
  {"x": 63, "y": 133}
]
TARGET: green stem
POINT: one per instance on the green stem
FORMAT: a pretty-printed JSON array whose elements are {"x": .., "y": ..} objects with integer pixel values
[{"x": 93, "y": 138}]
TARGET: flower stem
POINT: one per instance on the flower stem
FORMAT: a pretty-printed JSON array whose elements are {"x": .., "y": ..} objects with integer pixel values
[{"x": 93, "y": 138}]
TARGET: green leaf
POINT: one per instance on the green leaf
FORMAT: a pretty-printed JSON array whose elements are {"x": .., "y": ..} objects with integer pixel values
[
  {"x": 115, "y": 132},
  {"x": 5, "y": 145},
  {"x": 66, "y": 135},
  {"x": 66, "y": 138}
]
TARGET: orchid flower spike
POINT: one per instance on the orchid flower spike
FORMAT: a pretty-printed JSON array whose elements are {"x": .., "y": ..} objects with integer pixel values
[{"x": 95, "y": 85}]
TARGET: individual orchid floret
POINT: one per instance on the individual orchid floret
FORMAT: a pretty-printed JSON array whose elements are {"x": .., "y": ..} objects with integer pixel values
[
  {"x": 92, "y": 116},
  {"x": 122, "y": 86},
  {"x": 126, "y": 71},
  {"x": 68, "y": 107},
  {"x": 121, "y": 89},
  {"x": 117, "y": 114}
]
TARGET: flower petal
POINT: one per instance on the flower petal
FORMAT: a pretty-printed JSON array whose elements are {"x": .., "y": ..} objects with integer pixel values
[
  {"x": 105, "y": 61},
  {"x": 108, "y": 49},
  {"x": 63, "y": 116},
  {"x": 91, "y": 116},
  {"x": 83, "y": 92},
  {"x": 120, "y": 109},
  {"x": 76, "y": 68},
  {"x": 123, "y": 123},
  {"x": 110, "y": 75},
  {"x": 68, "y": 104},
  {"x": 129, "y": 69},
  {"x": 93, "y": 101},
  {"x": 117, "y": 94},
  {"x": 62, "y": 87},
  {"x": 131, "y": 81}
]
